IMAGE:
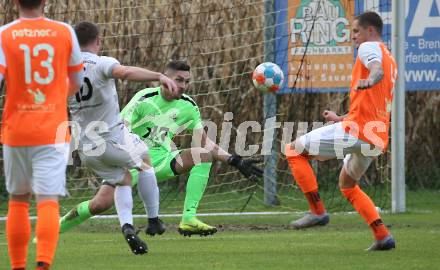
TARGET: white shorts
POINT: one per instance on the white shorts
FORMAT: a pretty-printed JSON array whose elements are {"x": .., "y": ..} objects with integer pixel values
[
  {"x": 116, "y": 156},
  {"x": 36, "y": 169},
  {"x": 331, "y": 141}
]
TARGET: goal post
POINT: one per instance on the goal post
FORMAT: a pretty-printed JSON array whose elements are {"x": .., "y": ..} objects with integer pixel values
[
  {"x": 270, "y": 109},
  {"x": 398, "y": 203}
]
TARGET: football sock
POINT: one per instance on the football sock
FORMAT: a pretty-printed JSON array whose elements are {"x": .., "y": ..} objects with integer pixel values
[
  {"x": 306, "y": 179},
  {"x": 366, "y": 208},
  {"x": 315, "y": 203},
  {"x": 153, "y": 220},
  {"x": 42, "y": 266},
  {"x": 47, "y": 230},
  {"x": 75, "y": 217},
  {"x": 18, "y": 232},
  {"x": 124, "y": 204},
  {"x": 149, "y": 192},
  {"x": 198, "y": 178},
  {"x": 379, "y": 229}
]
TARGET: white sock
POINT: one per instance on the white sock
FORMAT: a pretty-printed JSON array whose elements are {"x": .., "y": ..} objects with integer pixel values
[
  {"x": 149, "y": 192},
  {"x": 124, "y": 204}
]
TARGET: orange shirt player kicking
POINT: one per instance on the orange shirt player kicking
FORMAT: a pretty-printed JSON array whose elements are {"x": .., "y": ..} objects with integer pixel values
[{"x": 366, "y": 125}]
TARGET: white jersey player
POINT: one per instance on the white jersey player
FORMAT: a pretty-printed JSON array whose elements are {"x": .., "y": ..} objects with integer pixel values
[
  {"x": 95, "y": 107},
  {"x": 105, "y": 145}
]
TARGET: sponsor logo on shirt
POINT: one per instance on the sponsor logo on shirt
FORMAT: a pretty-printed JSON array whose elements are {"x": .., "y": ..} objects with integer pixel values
[{"x": 33, "y": 33}]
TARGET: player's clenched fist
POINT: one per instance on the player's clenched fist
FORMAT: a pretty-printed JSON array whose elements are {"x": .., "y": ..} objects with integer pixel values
[
  {"x": 331, "y": 116},
  {"x": 364, "y": 84}
]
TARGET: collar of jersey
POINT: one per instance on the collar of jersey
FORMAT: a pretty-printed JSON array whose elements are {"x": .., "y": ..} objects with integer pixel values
[{"x": 32, "y": 19}]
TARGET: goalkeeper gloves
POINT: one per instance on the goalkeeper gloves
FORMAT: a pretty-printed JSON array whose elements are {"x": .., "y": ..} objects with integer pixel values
[{"x": 246, "y": 166}]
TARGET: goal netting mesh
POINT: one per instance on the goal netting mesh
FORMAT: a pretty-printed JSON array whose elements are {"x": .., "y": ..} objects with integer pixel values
[{"x": 223, "y": 41}]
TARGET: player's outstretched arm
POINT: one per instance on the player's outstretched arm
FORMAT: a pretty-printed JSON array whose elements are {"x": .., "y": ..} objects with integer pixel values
[
  {"x": 137, "y": 74},
  {"x": 247, "y": 167}
]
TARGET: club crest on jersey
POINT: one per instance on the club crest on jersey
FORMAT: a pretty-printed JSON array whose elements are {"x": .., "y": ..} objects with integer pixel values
[
  {"x": 173, "y": 116},
  {"x": 39, "y": 97}
]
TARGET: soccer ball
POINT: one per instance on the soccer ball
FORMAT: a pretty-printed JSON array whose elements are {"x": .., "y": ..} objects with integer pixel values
[{"x": 268, "y": 77}]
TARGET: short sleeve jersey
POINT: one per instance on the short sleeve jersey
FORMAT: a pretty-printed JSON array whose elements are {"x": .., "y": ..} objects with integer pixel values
[
  {"x": 157, "y": 120},
  {"x": 36, "y": 56},
  {"x": 370, "y": 108},
  {"x": 96, "y": 107}
]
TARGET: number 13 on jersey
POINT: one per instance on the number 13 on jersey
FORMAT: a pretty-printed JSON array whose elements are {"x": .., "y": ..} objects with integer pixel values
[{"x": 35, "y": 51}]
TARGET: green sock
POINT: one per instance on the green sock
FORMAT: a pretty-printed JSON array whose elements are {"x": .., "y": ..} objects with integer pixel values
[
  {"x": 75, "y": 217},
  {"x": 134, "y": 177},
  {"x": 198, "y": 178}
]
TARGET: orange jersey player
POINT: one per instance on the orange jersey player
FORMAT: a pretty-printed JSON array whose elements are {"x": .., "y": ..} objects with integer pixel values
[
  {"x": 40, "y": 61},
  {"x": 358, "y": 137}
]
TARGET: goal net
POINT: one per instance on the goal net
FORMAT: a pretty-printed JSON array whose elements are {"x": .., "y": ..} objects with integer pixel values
[{"x": 224, "y": 41}]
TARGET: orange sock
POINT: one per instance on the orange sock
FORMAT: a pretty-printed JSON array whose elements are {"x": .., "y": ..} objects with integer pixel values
[
  {"x": 18, "y": 232},
  {"x": 366, "y": 208},
  {"x": 47, "y": 230},
  {"x": 42, "y": 266},
  {"x": 379, "y": 229},
  {"x": 306, "y": 179},
  {"x": 315, "y": 202}
]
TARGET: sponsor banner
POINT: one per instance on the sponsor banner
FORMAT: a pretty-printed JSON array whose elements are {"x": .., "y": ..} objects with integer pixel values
[{"x": 313, "y": 42}]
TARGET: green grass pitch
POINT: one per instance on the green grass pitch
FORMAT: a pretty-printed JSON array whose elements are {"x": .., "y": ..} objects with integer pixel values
[{"x": 252, "y": 242}]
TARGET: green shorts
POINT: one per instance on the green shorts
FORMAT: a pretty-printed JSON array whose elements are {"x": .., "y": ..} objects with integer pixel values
[{"x": 163, "y": 163}]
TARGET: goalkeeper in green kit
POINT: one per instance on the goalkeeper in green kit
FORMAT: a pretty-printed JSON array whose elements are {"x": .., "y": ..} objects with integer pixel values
[{"x": 157, "y": 117}]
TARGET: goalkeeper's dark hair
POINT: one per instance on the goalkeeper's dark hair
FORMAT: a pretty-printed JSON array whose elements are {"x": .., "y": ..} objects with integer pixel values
[
  {"x": 30, "y": 4},
  {"x": 370, "y": 18},
  {"x": 86, "y": 32},
  {"x": 178, "y": 65}
]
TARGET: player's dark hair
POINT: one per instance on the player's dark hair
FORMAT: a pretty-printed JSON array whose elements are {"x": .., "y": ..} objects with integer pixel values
[
  {"x": 30, "y": 4},
  {"x": 86, "y": 32},
  {"x": 370, "y": 18},
  {"x": 178, "y": 65}
]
